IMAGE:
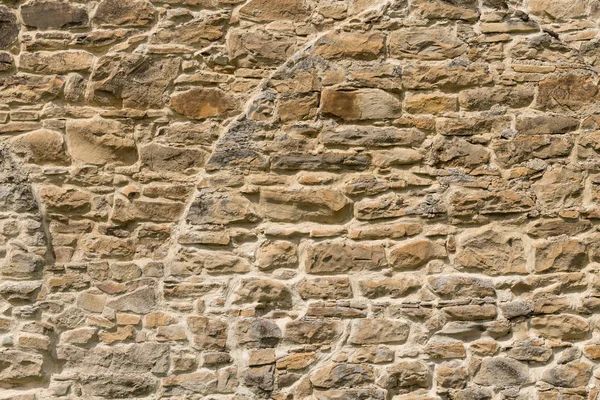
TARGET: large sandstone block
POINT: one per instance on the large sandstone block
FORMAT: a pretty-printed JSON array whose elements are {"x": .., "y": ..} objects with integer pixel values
[
  {"x": 375, "y": 331},
  {"x": 319, "y": 205},
  {"x": 492, "y": 253},
  {"x": 131, "y": 80},
  {"x": 364, "y": 46},
  {"x": 100, "y": 140},
  {"x": 203, "y": 103},
  {"x": 426, "y": 43},
  {"x": 344, "y": 257},
  {"x": 52, "y": 14},
  {"x": 363, "y": 104}
]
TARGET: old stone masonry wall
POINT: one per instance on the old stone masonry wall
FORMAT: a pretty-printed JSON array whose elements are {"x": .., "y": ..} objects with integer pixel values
[{"x": 300, "y": 199}]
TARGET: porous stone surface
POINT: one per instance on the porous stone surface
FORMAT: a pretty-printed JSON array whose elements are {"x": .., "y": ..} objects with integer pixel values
[{"x": 299, "y": 199}]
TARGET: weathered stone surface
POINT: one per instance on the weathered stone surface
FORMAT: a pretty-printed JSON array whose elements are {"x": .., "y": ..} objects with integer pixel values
[
  {"x": 99, "y": 141},
  {"x": 356, "y": 135},
  {"x": 209, "y": 333},
  {"x": 455, "y": 9},
  {"x": 523, "y": 148},
  {"x": 560, "y": 256},
  {"x": 171, "y": 159},
  {"x": 51, "y": 14},
  {"x": 460, "y": 74},
  {"x": 203, "y": 103},
  {"x": 27, "y": 89},
  {"x": 20, "y": 366},
  {"x": 312, "y": 331},
  {"x": 277, "y": 254},
  {"x": 391, "y": 287},
  {"x": 340, "y": 375},
  {"x": 266, "y": 11},
  {"x": 343, "y": 257},
  {"x": 9, "y": 28},
  {"x": 566, "y": 91},
  {"x": 558, "y": 10},
  {"x": 322, "y": 205},
  {"x": 357, "y": 105},
  {"x": 415, "y": 254},
  {"x": 128, "y": 80},
  {"x": 501, "y": 372},
  {"x": 325, "y": 288},
  {"x": 461, "y": 286},
  {"x": 364, "y": 46},
  {"x": 469, "y": 202},
  {"x": 299, "y": 199},
  {"x": 221, "y": 208},
  {"x": 406, "y": 374},
  {"x": 565, "y": 327},
  {"x": 140, "y": 301},
  {"x": 124, "y": 13},
  {"x": 265, "y": 291},
  {"x": 42, "y": 146},
  {"x": 571, "y": 375},
  {"x": 258, "y": 333},
  {"x": 491, "y": 253},
  {"x": 486, "y": 98},
  {"x": 56, "y": 62},
  {"x": 375, "y": 331},
  {"x": 426, "y": 44}
]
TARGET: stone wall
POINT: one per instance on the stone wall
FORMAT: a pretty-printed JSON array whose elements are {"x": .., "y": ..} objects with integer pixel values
[{"x": 299, "y": 199}]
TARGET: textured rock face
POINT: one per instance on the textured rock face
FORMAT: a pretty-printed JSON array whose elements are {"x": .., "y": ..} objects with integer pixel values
[{"x": 299, "y": 199}]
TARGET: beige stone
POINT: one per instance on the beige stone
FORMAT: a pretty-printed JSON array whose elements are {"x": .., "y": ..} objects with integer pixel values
[
  {"x": 203, "y": 103},
  {"x": 56, "y": 62},
  {"x": 426, "y": 43},
  {"x": 342, "y": 257},
  {"x": 364, "y": 46},
  {"x": 99, "y": 141},
  {"x": 364, "y": 104},
  {"x": 491, "y": 253}
]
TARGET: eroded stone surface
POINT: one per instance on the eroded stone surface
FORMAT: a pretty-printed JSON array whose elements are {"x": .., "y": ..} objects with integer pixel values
[{"x": 289, "y": 199}]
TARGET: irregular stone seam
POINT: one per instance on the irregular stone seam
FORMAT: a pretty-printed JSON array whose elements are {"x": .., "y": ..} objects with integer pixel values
[{"x": 376, "y": 10}]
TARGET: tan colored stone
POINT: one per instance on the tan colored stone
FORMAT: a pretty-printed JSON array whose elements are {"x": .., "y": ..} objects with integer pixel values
[
  {"x": 339, "y": 375},
  {"x": 209, "y": 333},
  {"x": 501, "y": 372},
  {"x": 343, "y": 257},
  {"x": 363, "y": 104},
  {"x": 325, "y": 288},
  {"x": 58, "y": 199},
  {"x": 322, "y": 205},
  {"x": 99, "y": 141},
  {"x": 277, "y": 254},
  {"x": 50, "y": 14},
  {"x": 267, "y": 11},
  {"x": 415, "y": 254},
  {"x": 492, "y": 253},
  {"x": 364, "y": 46},
  {"x": 124, "y": 13},
  {"x": 391, "y": 287},
  {"x": 426, "y": 43},
  {"x": 265, "y": 291},
  {"x": 472, "y": 201},
  {"x": 472, "y": 312},
  {"x": 49, "y": 63},
  {"x": 375, "y": 331},
  {"x": 564, "y": 326},
  {"x": 434, "y": 103},
  {"x": 42, "y": 146},
  {"x": 439, "y": 9},
  {"x": 200, "y": 103},
  {"x": 558, "y": 10},
  {"x": 560, "y": 256}
]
